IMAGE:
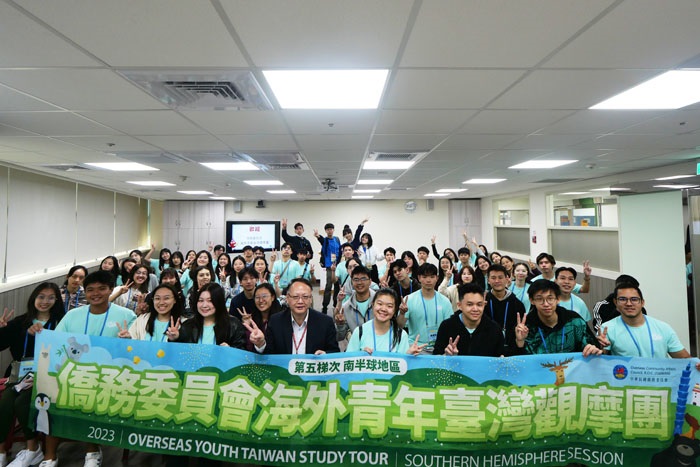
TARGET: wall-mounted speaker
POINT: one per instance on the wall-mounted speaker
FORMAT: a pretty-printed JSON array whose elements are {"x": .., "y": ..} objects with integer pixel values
[
  {"x": 237, "y": 207},
  {"x": 261, "y": 204},
  {"x": 429, "y": 204}
]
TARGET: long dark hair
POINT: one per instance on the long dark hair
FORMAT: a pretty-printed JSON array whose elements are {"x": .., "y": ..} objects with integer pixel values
[
  {"x": 227, "y": 269},
  {"x": 161, "y": 262},
  {"x": 395, "y": 328},
  {"x": 276, "y": 307},
  {"x": 195, "y": 290},
  {"x": 56, "y": 312},
  {"x": 176, "y": 254},
  {"x": 124, "y": 273},
  {"x": 72, "y": 270},
  {"x": 177, "y": 285},
  {"x": 115, "y": 266},
  {"x": 441, "y": 273},
  {"x": 221, "y": 317},
  {"x": 176, "y": 311},
  {"x": 194, "y": 266},
  {"x": 458, "y": 276},
  {"x": 414, "y": 268}
]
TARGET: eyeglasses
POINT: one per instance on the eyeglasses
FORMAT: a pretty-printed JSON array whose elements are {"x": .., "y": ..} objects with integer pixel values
[
  {"x": 541, "y": 300},
  {"x": 299, "y": 298},
  {"x": 360, "y": 279},
  {"x": 633, "y": 300},
  {"x": 44, "y": 298},
  {"x": 263, "y": 297}
]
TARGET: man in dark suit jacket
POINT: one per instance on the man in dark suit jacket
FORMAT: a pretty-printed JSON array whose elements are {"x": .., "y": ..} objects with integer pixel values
[{"x": 298, "y": 330}]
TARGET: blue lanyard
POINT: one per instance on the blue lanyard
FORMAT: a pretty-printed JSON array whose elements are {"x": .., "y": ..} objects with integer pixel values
[
  {"x": 163, "y": 339},
  {"x": 87, "y": 319},
  {"x": 425, "y": 310},
  {"x": 306, "y": 266},
  {"x": 358, "y": 315},
  {"x": 505, "y": 318},
  {"x": 26, "y": 338},
  {"x": 544, "y": 343},
  {"x": 651, "y": 341},
  {"x": 522, "y": 294},
  {"x": 374, "y": 333},
  {"x": 411, "y": 290}
]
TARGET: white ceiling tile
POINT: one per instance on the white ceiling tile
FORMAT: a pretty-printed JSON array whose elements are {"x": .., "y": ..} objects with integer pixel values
[
  {"x": 230, "y": 122},
  {"x": 447, "y": 89},
  {"x": 151, "y": 122},
  {"x": 38, "y": 144},
  {"x": 104, "y": 143},
  {"x": 392, "y": 143},
  {"x": 471, "y": 142},
  {"x": 328, "y": 34},
  {"x": 422, "y": 121},
  {"x": 330, "y": 122},
  {"x": 259, "y": 142},
  {"x": 494, "y": 33},
  {"x": 569, "y": 89},
  {"x": 186, "y": 143},
  {"x": 600, "y": 121},
  {"x": 637, "y": 34},
  {"x": 54, "y": 123},
  {"x": 512, "y": 121},
  {"x": 551, "y": 142},
  {"x": 633, "y": 142},
  {"x": 446, "y": 155},
  {"x": 157, "y": 33},
  {"x": 332, "y": 142},
  {"x": 670, "y": 122},
  {"x": 316, "y": 156},
  {"x": 75, "y": 89},
  {"x": 12, "y": 100},
  {"x": 40, "y": 47}
]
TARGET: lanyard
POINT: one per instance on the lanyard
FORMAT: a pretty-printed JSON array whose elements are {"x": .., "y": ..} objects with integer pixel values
[
  {"x": 306, "y": 266},
  {"x": 87, "y": 319},
  {"x": 544, "y": 343},
  {"x": 401, "y": 289},
  {"x": 163, "y": 339},
  {"x": 425, "y": 311},
  {"x": 636, "y": 344},
  {"x": 358, "y": 315},
  {"x": 522, "y": 294},
  {"x": 374, "y": 333},
  {"x": 128, "y": 299},
  {"x": 301, "y": 339},
  {"x": 505, "y": 317}
]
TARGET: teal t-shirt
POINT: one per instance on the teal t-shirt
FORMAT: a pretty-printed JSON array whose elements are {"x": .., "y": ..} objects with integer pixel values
[
  {"x": 657, "y": 334},
  {"x": 159, "y": 328},
  {"x": 287, "y": 271},
  {"x": 424, "y": 316},
  {"x": 377, "y": 342},
  {"x": 521, "y": 294},
  {"x": 80, "y": 321},
  {"x": 577, "y": 305},
  {"x": 208, "y": 336}
]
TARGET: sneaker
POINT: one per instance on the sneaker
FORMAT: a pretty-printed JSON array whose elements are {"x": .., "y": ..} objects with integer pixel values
[
  {"x": 27, "y": 458},
  {"x": 49, "y": 463},
  {"x": 3, "y": 459},
  {"x": 93, "y": 459}
]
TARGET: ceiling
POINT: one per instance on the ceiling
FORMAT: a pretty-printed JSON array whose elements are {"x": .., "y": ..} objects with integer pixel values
[{"x": 478, "y": 85}]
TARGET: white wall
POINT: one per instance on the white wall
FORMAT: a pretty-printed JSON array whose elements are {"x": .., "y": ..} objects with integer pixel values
[
  {"x": 389, "y": 224},
  {"x": 652, "y": 250}
]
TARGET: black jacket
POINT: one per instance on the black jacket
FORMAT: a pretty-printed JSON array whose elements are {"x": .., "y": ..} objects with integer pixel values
[
  {"x": 486, "y": 340},
  {"x": 496, "y": 310},
  {"x": 321, "y": 334},
  {"x": 235, "y": 336},
  {"x": 297, "y": 243},
  {"x": 13, "y": 335}
]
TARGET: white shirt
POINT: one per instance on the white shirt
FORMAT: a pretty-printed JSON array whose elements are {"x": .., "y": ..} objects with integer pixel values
[{"x": 299, "y": 334}]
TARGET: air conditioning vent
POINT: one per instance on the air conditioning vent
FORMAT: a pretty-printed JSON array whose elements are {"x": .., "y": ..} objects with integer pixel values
[
  {"x": 283, "y": 166},
  {"x": 396, "y": 156},
  {"x": 202, "y": 90},
  {"x": 278, "y": 160},
  {"x": 556, "y": 180},
  {"x": 66, "y": 167}
]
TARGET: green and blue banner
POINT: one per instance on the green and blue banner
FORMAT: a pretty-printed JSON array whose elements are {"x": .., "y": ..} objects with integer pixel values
[{"x": 354, "y": 409}]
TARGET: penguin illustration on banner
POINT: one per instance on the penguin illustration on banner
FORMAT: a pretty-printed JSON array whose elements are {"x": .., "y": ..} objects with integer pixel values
[{"x": 43, "y": 421}]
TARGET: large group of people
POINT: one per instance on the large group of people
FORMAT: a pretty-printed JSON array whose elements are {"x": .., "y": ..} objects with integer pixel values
[{"x": 471, "y": 302}]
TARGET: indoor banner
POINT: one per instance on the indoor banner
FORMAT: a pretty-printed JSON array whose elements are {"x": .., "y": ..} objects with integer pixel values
[{"x": 354, "y": 409}]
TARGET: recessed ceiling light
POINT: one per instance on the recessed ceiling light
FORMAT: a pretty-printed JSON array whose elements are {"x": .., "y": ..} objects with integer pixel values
[
  {"x": 121, "y": 166},
  {"x": 230, "y": 165},
  {"x": 195, "y": 192},
  {"x": 670, "y": 90},
  {"x": 374, "y": 182},
  {"x": 387, "y": 165},
  {"x": 151, "y": 183},
  {"x": 611, "y": 189},
  {"x": 366, "y": 191},
  {"x": 281, "y": 192},
  {"x": 327, "y": 89},
  {"x": 575, "y": 193},
  {"x": 679, "y": 187},
  {"x": 451, "y": 190},
  {"x": 263, "y": 182},
  {"x": 222, "y": 198},
  {"x": 542, "y": 164},
  {"x": 436, "y": 194},
  {"x": 362, "y": 196},
  {"x": 674, "y": 177},
  {"x": 483, "y": 180}
]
